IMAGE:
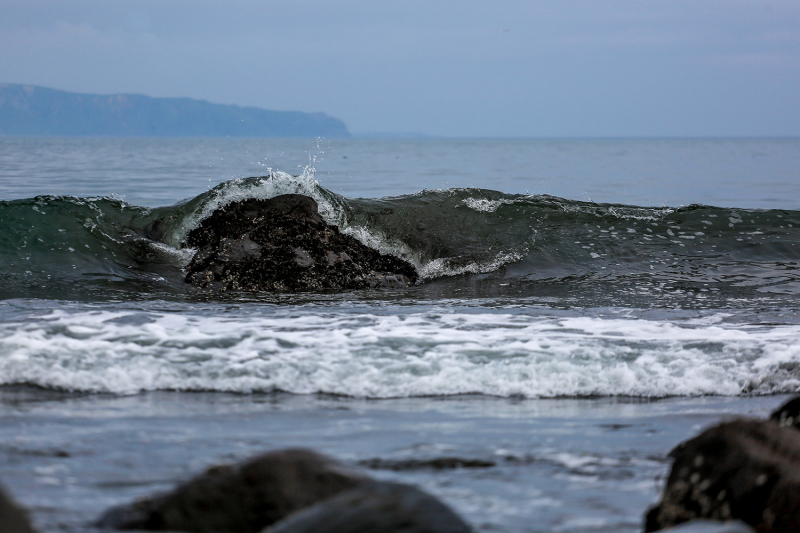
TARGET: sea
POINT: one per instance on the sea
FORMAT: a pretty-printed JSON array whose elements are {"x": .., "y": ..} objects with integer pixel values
[{"x": 584, "y": 305}]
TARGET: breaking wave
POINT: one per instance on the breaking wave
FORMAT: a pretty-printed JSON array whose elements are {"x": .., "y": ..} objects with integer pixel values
[
  {"x": 483, "y": 241},
  {"x": 397, "y": 354}
]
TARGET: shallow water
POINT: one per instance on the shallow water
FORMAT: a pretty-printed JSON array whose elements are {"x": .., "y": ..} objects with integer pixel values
[
  {"x": 549, "y": 465},
  {"x": 585, "y": 306}
]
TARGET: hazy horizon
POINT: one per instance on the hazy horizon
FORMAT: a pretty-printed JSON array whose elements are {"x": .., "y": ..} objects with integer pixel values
[{"x": 572, "y": 69}]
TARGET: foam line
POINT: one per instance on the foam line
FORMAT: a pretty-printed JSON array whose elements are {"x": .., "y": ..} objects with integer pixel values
[{"x": 414, "y": 354}]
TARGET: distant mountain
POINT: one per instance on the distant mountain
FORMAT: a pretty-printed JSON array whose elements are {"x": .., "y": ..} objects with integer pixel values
[{"x": 30, "y": 110}]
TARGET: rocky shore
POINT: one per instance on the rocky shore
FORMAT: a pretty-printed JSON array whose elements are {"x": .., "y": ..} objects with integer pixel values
[
  {"x": 283, "y": 244},
  {"x": 739, "y": 476},
  {"x": 288, "y": 491},
  {"x": 12, "y": 518},
  {"x": 744, "y": 469}
]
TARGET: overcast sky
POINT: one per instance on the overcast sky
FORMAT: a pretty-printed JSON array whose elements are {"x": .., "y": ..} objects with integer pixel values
[{"x": 474, "y": 68}]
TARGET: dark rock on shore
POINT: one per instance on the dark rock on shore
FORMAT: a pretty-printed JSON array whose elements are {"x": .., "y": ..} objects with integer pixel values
[
  {"x": 379, "y": 507},
  {"x": 12, "y": 518},
  {"x": 283, "y": 244},
  {"x": 242, "y": 498},
  {"x": 744, "y": 469},
  {"x": 788, "y": 414}
]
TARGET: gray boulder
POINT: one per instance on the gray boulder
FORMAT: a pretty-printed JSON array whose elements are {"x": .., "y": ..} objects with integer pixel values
[
  {"x": 242, "y": 498},
  {"x": 12, "y": 518},
  {"x": 745, "y": 469},
  {"x": 378, "y": 507}
]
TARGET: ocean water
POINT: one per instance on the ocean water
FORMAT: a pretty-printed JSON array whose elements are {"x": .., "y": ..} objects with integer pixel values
[{"x": 585, "y": 305}]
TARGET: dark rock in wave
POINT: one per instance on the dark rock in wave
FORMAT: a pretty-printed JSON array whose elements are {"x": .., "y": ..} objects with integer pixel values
[
  {"x": 379, "y": 507},
  {"x": 283, "y": 244},
  {"x": 744, "y": 469},
  {"x": 240, "y": 499},
  {"x": 12, "y": 518}
]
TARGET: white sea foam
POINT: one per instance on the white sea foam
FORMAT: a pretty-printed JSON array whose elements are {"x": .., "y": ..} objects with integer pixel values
[
  {"x": 375, "y": 355},
  {"x": 434, "y": 268},
  {"x": 275, "y": 184},
  {"x": 485, "y": 206},
  {"x": 445, "y": 267},
  {"x": 384, "y": 245}
]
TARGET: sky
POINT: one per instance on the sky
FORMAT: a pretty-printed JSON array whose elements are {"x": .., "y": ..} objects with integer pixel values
[{"x": 470, "y": 68}]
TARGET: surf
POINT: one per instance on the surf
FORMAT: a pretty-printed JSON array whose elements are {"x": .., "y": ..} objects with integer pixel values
[{"x": 479, "y": 240}]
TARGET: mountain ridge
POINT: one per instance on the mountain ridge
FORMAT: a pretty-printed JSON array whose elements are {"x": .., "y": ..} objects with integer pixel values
[{"x": 34, "y": 110}]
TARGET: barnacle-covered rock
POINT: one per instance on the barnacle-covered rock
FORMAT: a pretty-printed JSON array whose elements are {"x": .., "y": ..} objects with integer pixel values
[
  {"x": 744, "y": 469},
  {"x": 283, "y": 244}
]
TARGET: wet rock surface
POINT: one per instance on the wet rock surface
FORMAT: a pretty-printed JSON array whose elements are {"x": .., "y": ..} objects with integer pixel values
[
  {"x": 377, "y": 507},
  {"x": 283, "y": 244},
  {"x": 288, "y": 491},
  {"x": 788, "y": 414},
  {"x": 243, "y": 498},
  {"x": 745, "y": 469},
  {"x": 12, "y": 518}
]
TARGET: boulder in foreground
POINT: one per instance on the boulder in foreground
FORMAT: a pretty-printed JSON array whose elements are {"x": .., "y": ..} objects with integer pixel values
[
  {"x": 378, "y": 507},
  {"x": 243, "y": 498},
  {"x": 788, "y": 414},
  {"x": 745, "y": 469},
  {"x": 283, "y": 244},
  {"x": 12, "y": 518}
]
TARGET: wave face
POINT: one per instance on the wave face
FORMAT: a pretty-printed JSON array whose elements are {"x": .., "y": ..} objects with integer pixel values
[
  {"x": 85, "y": 248},
  {"x": 464, "y": 242}
]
